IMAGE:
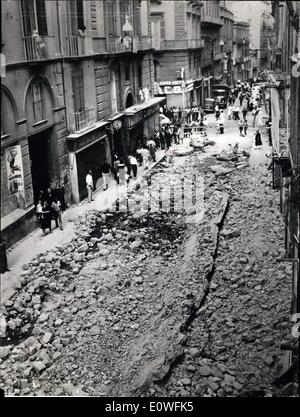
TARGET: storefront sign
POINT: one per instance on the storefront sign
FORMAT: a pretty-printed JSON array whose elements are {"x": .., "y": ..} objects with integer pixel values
[
  {"x": 175, "y": 87},
  {"x": 151, "y": 111},
  {"x": 14, "y": 168}
]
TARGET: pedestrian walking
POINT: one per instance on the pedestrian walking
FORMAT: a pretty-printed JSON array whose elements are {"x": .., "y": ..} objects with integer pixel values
[
  {"x": 145, "y": 154},
  {"x": 254, "y": 113},
  {"x": 217, "y": 112},
  {"x": 89, "y": 185},
  {"x": 46, "y": 217},
  {"x": 229, "y": 112},
  {"x": 241, "y": 127},
  {"x": 134, "y": 165},
  {"x": 162, "y": 139},
  {"x": 151, "y": 148},
  {"x": 245, "y": 127},
  {"x": 244, "y": 112},
  {"x": 258, "y": 141},
  {"x": 105, "y": 170},
  {"x": 116, "y": 168},
  {"x": 56, "y": 208},
  {"x": 39, "y": 209}
]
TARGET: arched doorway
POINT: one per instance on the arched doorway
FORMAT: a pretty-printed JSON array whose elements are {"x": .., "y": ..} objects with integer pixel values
[{"x": 129, "y": 100}]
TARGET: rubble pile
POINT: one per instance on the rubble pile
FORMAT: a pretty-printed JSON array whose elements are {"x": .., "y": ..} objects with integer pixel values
[
  {"x": 234, "y": 344},
  {"x": 146, "y": 303}
]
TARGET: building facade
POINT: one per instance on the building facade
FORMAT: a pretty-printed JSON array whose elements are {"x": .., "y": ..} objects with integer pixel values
[
  {"x": 77, "y": 88},
  {"x": 241, "y": 55},
  {"x": 284, "y": 108},
  {"x": 211, "y": 58},
  {"x": 177, "y": 44},
  {"x": 226, "y": 43}
]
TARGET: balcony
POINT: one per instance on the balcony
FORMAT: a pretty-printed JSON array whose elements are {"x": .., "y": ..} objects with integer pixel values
[
  {"x": 84, "y": 119},
  {"x": 207, "y": 20},
  {"x": 118, "y": 45},
  {"x": 144, "y": 43},
  {"x": 75, "y": 46},
  {"x": 177, "y": 44},
  {"x": 36, "y": 47}
]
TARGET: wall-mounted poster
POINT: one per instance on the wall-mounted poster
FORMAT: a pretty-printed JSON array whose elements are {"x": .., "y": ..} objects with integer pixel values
[{"x": 14, "y": 168}]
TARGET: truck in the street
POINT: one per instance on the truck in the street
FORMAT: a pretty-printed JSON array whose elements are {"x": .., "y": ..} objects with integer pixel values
[{"x": 220, "y": 94}]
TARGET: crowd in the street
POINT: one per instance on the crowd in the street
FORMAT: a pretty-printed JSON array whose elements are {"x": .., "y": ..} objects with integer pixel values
[{"x": 175, "y": 123}]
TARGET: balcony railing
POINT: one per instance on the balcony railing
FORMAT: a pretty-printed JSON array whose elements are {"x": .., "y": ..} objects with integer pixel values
[
  {"x": 84, "y": 119},
  {"x": 75, "y": 46},
  {"x": 210, "y": 20},
  {"x": 179, "y": 44},
  {"x": 117, "y": 45},
  {"x": 35, "y": 48}
]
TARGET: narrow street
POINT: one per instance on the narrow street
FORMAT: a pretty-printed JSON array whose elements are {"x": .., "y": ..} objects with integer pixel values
[{"x": 148, "y": 304}]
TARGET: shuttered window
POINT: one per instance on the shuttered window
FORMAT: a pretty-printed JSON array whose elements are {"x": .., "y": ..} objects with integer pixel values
[
  {"x": 111, "y": 17},
  {"x": 34, "y": 17},
  {"x": 136, "y": 17},
  {"x": 37, "y": 101},
  {"x": 78, "y": 91}
]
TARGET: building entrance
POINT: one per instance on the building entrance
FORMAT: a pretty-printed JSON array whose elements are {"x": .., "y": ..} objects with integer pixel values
[{"x": 38, "y": 151}]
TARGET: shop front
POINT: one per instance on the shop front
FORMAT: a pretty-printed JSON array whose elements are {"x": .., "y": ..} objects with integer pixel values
[
  {"x": 116, "y": 133},
  {"x": 87, "y": 151},
  {"x": 141, "y": 122}
]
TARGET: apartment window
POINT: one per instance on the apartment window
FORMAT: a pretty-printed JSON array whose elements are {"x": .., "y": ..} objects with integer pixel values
[
  {"x": 37, "y": 101},
  {"x": 34, "y": 17},
  {"x": 76, "y": 15},
  {"x": 78, "y": 91}
]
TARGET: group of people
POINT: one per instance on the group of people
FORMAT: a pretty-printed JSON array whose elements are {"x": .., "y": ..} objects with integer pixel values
[
  {"x": 50, "y": 206},
  {"x": 242, "y": 101},
  {"x": 178, "y": 115}
]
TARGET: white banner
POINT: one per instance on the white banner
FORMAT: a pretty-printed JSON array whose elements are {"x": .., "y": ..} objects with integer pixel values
[{"x": 14, "y": 167}]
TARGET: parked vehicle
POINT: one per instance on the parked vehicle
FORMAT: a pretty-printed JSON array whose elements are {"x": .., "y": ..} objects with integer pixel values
[
  {"x": 220, "y": 94},
  {"x": 209, "y": 105}
]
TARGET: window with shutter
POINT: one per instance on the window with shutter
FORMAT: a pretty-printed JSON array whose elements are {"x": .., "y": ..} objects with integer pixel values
[
  {"x": 163, "y": 28},
  {"x": 124, "y": 10},
  {"x": 34, "y": 17},
  {"x": 41, "y": 17},
  {"x": 37, "y": 101},
  {"x": 78, "y": 91},
  {"x": 111, "y": 17},
  {"x": 137, "y": 17}
]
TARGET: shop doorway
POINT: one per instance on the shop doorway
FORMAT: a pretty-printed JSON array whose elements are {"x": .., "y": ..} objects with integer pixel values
[
  {"x": 90, "y": 158},
  {"x": 38, "y": 152}
]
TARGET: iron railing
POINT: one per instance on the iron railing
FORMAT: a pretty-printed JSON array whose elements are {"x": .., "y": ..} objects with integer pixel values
[{"x": 84, "y": 119}]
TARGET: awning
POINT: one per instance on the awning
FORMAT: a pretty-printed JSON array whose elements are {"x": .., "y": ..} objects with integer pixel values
[{"x": 138, "y": 107}]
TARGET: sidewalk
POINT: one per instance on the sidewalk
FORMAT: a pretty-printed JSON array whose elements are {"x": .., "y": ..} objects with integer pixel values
[{"x": 35, "y": 243}]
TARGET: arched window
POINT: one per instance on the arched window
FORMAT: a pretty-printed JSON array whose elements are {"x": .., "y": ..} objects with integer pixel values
[{"x": 129, "y": 100}]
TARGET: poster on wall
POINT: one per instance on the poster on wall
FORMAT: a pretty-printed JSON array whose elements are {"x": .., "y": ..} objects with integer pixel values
[{"x": 14, "y": 169}]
